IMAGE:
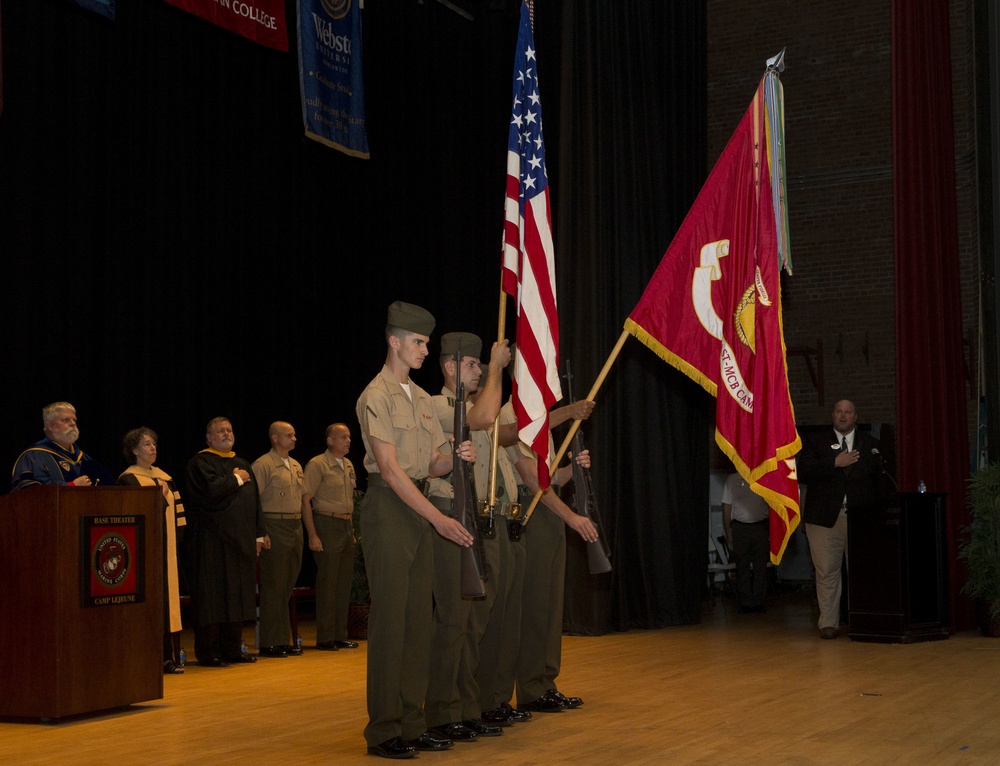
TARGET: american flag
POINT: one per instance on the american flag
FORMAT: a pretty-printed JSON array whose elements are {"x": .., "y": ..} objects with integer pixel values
[{"x": 529, "y": 273}]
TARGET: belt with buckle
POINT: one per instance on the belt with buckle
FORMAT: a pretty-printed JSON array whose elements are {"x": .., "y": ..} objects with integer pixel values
[{"x": 375, "y": 479}]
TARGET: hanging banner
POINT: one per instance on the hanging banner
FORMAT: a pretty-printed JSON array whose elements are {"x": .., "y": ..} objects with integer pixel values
[
  {"x": 333, "y": 92},
  {"x": 103, "y": 7},
  {"x": 262, "y": 21}
]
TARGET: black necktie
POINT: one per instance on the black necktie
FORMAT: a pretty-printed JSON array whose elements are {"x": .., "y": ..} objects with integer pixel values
[{"x": 843, "y": 444}]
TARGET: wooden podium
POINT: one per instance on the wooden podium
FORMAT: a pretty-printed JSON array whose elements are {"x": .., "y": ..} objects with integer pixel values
[
  {"x": 81, "y": 602},
  {"x": 898, "y": 570}
]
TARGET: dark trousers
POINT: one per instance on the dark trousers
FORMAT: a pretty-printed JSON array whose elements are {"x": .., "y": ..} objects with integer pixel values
[
  {"x": 449, "y": 671},
  {"x": 540, "y": 650},
  {"x": 218, "y": 640},
  {"x": 497, "y": 670},
  {"x": 279, "y": 569},
  {"x": 334, "y": 570},
  {"x": 751, "y": 546},
  {"x": 399, "y": 558}
]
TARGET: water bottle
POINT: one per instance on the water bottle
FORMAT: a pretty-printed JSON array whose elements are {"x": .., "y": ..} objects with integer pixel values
[
  {"x": 921, "y": 487},
  {"x": 298, "y": 641},
  {"x": 243, "y": 648},
  {"x": 182, "y": 657}
]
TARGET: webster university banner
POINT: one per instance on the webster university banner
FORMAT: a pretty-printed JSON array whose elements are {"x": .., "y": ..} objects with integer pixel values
[
  {"x": 713, "y": 309},
  {"x": 330, "y": 77},
  {"x": 103, "y": 7},
  {"x": 262, "y": 21}
]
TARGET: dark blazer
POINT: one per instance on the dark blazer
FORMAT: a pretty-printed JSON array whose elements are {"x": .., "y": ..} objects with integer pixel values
[{"x": 827, "y": 484}]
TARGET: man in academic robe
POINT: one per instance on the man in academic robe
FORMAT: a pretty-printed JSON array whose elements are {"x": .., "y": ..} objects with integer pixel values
[
  {"x": 228, "y": 532},
  {"x": 57, "y": 459}
]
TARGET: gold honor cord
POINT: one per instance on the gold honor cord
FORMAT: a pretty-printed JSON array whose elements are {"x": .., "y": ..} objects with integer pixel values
[{"x": 576, "y": 423}]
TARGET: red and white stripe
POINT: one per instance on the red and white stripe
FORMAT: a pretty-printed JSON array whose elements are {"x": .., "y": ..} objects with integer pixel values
[{"x": 529, "y": 275}]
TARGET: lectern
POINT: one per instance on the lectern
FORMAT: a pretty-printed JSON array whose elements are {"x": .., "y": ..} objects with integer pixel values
[
  {"x": 898, "y": 570},
  {"x": 81, "y": 600}
]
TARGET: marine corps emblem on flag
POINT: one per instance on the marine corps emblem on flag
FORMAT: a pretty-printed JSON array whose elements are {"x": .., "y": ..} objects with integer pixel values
[{"x": 713, "y": 307}]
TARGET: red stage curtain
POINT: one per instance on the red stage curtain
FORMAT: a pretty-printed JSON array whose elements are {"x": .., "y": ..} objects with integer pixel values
[{"x": 930, "y": 370}]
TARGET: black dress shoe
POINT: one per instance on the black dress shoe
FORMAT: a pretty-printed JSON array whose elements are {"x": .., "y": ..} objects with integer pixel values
[
  {"x": 429, "y": 743},
  {"x": 482, "y": 728},
  {"x": 327, "y": 646},
  {"x": 241, "y": 659},
  {"x": 518, "y": 716},
  {"x": 213, "y": 662},
  {"x": 170, "y": 669},
  {"x": 292, "y": 651},
  {"x": 392, "y": 748},
  {"x": 456, "y": 732},
  {"x": 570, "y": 702},
  {"x": 272, "y": 651},
  {"x": 345, "y": 644},
  {"x": 544, "y": 704},
  {"x": 498, "y": 717}
]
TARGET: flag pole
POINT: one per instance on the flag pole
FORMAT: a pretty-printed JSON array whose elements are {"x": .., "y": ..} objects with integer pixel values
[
  {"x": 576, "y": 423},
  {"x": 495, "y": 441}
]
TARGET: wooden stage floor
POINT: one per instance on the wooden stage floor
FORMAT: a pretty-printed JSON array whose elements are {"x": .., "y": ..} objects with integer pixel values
[{"x": 736, "y": 689}]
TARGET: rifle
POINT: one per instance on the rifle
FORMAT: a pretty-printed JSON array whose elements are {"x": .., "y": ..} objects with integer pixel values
[
  {"x": 584, "y": 500},
  {"x": 465, "y": 503}
]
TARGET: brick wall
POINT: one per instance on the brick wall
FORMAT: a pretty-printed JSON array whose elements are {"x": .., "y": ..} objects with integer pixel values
[{"x": 838, "y": 128}]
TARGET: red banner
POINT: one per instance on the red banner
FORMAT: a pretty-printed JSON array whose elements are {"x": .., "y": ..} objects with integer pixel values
[
  {"x": 713, "y": 311},
  {"x": 262, "y": 21}
]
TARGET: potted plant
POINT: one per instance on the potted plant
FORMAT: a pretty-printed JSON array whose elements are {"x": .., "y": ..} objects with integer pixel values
[
  {"x": 361, "y": 597},
  {"x": 981, "y": 547}
]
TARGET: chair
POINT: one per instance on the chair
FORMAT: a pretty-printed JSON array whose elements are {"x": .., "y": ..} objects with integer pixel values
[{"x": 719, "y": 562}]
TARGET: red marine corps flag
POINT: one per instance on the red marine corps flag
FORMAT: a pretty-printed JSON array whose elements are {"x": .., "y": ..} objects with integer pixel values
[{"x": 713, "y": 306}]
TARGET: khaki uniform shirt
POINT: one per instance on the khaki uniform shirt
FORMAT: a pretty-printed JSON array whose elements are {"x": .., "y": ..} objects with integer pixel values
[
  {"x": 279, "y": 486},
  {"x": 444, "y": 409},
  {"x": 331, "y": 487},
  {"x": 516, "y": 451},
  {"x": 482, "y": 441},
  {"x": 386, "y": 412}
]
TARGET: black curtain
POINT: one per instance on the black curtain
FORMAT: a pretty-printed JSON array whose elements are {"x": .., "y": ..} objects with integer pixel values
[
  {"x": 631, "y": 160},
  {"x": 175, "y": 248}
]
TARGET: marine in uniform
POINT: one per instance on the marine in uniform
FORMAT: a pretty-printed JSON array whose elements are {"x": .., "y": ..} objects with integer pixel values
[
  {"x": 403, "y": 441},
  {"x": 452, "y": 705},
  {"x": 279, "y": 482},
  {"x": 327, "y": 514},
  {"x": 494, "y": 628},
  {"x": 540, "y": 648}
]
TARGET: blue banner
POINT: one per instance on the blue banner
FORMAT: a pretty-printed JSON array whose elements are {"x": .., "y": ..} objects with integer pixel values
[
  {"x": 333, "y": 92},
  {"x": 103, "y": 7}
]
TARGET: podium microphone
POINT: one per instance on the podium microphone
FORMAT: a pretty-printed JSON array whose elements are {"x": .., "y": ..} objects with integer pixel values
[{"x": 881, "y": 465}]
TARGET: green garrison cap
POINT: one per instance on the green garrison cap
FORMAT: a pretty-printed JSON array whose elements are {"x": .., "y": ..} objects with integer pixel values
[
  {"x": 472, "y": 344},
  {"x": 412, "y": 318}
]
